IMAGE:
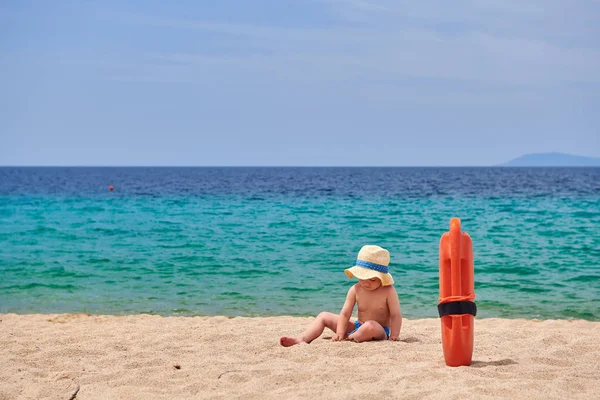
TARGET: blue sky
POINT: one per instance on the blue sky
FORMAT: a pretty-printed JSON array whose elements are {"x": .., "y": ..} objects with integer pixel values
[{"x": 297, "y": 82}]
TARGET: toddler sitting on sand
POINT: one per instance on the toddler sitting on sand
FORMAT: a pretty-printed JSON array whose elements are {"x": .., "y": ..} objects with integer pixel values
[{"x": 379, "y": 315}]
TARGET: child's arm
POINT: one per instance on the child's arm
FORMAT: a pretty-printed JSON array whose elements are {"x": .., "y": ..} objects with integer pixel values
[
  {"x": 345, "y": 315},
  {"x": 395, "y": 314}
]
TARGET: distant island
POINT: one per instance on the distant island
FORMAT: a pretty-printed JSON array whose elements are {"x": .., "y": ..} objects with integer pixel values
[{"x": 553, "y": 160}]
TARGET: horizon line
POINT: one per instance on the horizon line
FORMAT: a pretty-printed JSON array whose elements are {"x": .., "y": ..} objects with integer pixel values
[{"x": 300, "y": 166}]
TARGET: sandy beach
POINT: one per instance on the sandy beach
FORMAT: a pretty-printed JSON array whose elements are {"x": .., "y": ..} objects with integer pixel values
[{"x": 153, "y": 357}]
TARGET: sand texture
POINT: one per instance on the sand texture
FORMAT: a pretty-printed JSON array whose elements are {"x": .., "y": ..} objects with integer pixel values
[{"x": 152, "y": 357}]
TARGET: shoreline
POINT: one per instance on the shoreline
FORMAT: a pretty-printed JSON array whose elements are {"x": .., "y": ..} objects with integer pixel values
[
  {"x": 151, "y": 356},
  {"x": 230, "y": 316}
]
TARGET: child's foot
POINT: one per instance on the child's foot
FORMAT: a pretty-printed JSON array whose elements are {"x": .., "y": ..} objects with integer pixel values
[{"x": 287, "y": 341}]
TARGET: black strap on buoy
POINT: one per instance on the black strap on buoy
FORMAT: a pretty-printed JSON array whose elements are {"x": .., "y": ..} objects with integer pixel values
[{"x": 457, "y": 308}]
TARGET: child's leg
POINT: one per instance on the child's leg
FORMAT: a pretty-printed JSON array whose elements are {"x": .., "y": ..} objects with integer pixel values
[
  {"x": 323, "y": 320},
  {"x": 370, "y": 330}
]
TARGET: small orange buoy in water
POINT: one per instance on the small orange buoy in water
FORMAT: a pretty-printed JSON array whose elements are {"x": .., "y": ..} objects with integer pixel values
[
  {"x": 457, "y": 292},
  {"x": 110, "y": 188}
]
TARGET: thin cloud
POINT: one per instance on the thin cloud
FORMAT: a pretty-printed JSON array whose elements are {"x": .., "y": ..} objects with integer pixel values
[{"x": 342, "y": 53}]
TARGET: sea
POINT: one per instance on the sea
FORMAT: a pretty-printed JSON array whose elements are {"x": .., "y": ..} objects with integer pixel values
[{"x": 254, "y": 241}]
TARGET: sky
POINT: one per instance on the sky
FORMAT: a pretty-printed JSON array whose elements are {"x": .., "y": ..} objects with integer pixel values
[{"x": 297, "y": 82}]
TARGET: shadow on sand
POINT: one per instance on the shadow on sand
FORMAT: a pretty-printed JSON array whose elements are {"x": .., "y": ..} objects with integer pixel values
[{"x": 497, "y": 363}]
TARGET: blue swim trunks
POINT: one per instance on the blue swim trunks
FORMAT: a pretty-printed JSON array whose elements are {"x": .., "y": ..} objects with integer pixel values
[{"x": 358, "y": 325}]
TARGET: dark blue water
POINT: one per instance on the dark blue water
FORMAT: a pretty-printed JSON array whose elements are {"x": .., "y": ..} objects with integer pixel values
[{"x": 303, "y": 182}]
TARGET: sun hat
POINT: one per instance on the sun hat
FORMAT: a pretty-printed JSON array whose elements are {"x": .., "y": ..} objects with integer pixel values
[{"x": 372, "y": 262}]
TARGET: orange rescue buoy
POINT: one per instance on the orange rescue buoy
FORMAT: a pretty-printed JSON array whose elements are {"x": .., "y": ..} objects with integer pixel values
[
  {"x": 457, "y": 292},
  {"x": 110, "y": 188}
]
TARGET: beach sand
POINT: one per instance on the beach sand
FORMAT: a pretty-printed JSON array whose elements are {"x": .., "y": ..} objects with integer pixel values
[{"x": 150, "y": 357}]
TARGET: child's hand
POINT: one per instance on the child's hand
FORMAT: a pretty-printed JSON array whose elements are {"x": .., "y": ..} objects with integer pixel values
[
  {"x": 337, "y": 338},
  {"x": 394, "y": 338}
]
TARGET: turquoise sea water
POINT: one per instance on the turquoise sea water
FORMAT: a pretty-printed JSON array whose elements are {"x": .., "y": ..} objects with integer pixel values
[{"x": 261, "y": 242}]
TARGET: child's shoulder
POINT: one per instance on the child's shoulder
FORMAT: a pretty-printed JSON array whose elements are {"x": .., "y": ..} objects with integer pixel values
[
  {"x": 387, "y": 289},
  {"x": 381, "y": 289}
]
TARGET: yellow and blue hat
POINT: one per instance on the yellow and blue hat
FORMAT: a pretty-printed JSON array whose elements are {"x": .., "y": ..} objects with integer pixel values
[{"x": 372, "y": 262}]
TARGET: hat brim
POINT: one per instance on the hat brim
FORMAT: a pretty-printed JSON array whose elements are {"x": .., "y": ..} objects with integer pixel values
[{"x": 366, "y": 273}]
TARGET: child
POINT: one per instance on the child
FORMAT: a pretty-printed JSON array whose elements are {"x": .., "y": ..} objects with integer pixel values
[{"x": 379, "y": 316}]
